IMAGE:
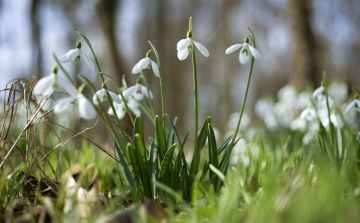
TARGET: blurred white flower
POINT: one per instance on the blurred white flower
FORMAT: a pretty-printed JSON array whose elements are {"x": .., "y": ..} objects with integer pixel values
[
  {"x": 101, "y": 96},
  {"x": 311, "y": 133},
  {"x": 319, "y": 94},
  {"x": 284, "y": 112},
  {"x": 234, "y": 117},
  {"x": 146, "y": 63},
  {"x": 46, "y": 85},
  {"x": 339, "y": 91},
  {"x": 76, "y": 55},
  {"x": 85, "y": 107},
  {"x": 354, "y": 104},
  {"x": 121, "y": 109},
  {"x": 303, "y": 100},
  {"x": 244, "y": 55},
  {"x": 288, "y": 94},
  {"x": 271, "y": 122},
  {"x": 137, "y": 91},
  {"x": 264, "y": 107},
  {"x": 298, "y": 124},
  {"x": 309, "y": 114},
  {"x": 335, "y": 119},
  {"x": 184, "y": 46}
]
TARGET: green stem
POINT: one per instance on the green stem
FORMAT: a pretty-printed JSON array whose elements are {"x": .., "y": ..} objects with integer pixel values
[
  {"x": 222, "y": 168},
  {"x": 148, "y": 91},
  {"x": 64, "y": 71},
  {"x": 161, "y": 83},
  {"x": 328, "y": 109},
  {"x": 195, "y": 99}
]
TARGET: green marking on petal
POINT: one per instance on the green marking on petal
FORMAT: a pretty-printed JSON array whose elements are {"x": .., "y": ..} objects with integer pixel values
[{"x": 245, "y": 52}]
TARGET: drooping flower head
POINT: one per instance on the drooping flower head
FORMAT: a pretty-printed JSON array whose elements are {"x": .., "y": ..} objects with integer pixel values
[
  {"x": 245, "y": 52},
  {"x": 121, "y": 108},
  {"x": 86, "y": 108},
  {"x": 47, "y": 85},
  {"x": 185, "y": 46},
  {"x": 354, "y": 104},
  {"x": 101, "y": 96},
  {"x": 76, "y": 55},
  {"x": 137, "y": 91},
  {"x": 146, "y": 63}
]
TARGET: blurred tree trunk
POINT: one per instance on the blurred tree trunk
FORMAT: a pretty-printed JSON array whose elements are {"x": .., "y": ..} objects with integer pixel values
[
  {"x": 36, "y": 70},
  {"x": 304, "y": 59},
  {"x": 107, "y": 12}
]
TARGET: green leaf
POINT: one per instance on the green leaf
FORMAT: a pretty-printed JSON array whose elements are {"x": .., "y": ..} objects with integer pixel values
[
  {"x": 194, "y": 167},
  {"x": 140, "y": 154},
  {"x": 153, "y": 165},
  {"x": 171, "y": 134},
  {"x": 213, "y": 155},
  {"x": 138, "y": 128},
  {"x": 127, "y": 171},
  {"x": 160, "y": 137},
  {"x": 165, "y": 163},
  {"x": 203, "y": 134}
]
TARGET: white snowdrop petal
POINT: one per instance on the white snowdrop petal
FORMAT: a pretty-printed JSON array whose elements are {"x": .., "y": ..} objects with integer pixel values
[
  {"x": 350, "y": 106},
  {"x": 42, "y": 85},
  {"x": 182, "y": 54},
  {"x": 233, "y": 48},
  {"x": 63, "y": 104},
  {"x": 126, "y": 93},
  {"x": 183, "y": 44},
  {"x": 121, "y": 113},
  {"x": 136, "y": 69},
  {"x": 115, "y": 97},
  {"x": 255, "y": 53},
  {"x": 73, "y": 53},
  {"x": 138, "y": 96},
  {"x": 144, "y": 91},
  {"x": 155, "y": 68},
  {"x": 86, "y": 108},
  {"x": 88, "y": 61},
  {"x": 318, "y": 91},
  {"x": 99, "y": 96},
  {"x": 65, "y": 59},
  {"x": 202, "y": 48},
  {"x": 244, "y": 57},
  {"x": 68, "y": 87},
  {"x": 144, "y": 63}
]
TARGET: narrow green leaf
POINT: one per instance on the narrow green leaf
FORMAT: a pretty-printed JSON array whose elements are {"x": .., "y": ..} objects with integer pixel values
[
  {"x": 87, "y": 82},
  {"x": 140, "y": 154},
  {"x": 165, "y": 163},
  {"x": 213, "y": 155},
  {"x": 203, "y": 134},
  {"x": 153, "y": 165},
  {"x": 160, "y": 137},
  {"x": 127, "y": 170}
]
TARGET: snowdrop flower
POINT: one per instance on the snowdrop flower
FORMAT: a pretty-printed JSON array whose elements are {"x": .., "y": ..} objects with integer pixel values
[
  {"x": 308, "y": 114},
  {"x": 121, "y": 109},
  {"x": 319, "y": 93},
  {"x": 76, "y": 55},
  {"x": 137, "y": 91},
  {"x": 335, "y": 119},
  {"x": 101, "y": 96},
  {"x": 47, "y": 85},
  {"x": 184, "y": 46},
  {"x": 354, "y": 104},
  {"x": 245, "y": 51},
  {"x": 146, "y": 63},
  {"x": 298, "y": 124},
  {"x": 86, "y": 108}
]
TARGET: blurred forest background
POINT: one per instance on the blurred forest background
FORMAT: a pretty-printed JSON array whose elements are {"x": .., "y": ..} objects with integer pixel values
[{"x": 297, "y": 40}]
